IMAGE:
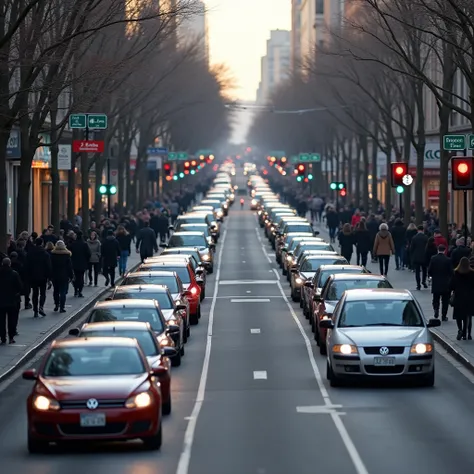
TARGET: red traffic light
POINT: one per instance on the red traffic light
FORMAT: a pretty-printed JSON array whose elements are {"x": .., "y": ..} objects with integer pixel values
[
  {"x": 399, "y": 170},
  {"x": 301, "y": 168},
  {"x": 167, "y": 167},
  {"x": 462, "y": 168},
  {"x": 343, "y": 192},
  {"x": 463, "y": 174},
  {"x": 186, "y": 164}
]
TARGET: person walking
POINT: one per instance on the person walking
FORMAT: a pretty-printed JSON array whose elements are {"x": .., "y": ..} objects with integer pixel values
[
  {"x": 418, "y": 256},
  {"x": 38, "y": 267},
  {"x": 163, "y": 227},
  {"x": 346, "y": 241},
  {"x": 110, "y": 256},
  {"x": 174, "y": 211},
  {"x": 363, "y": 243},
  {"x": 10, "y": 301},
  {"x": 460, "y": 251},
  {"x": 19, "y": 267},
  {"x": 125, "y": 241},
  {"x": 146, "y": 242},
  {"x": 398, "y": 235},
  {"x": 383, "y": 248},
  {"x": 460, "y": 287},
  {"x": 410, "y": 233},
  {"x": 332, "y": 221},
  {"x": 80, "y": 258},
  {"x": 440, "y": 269},
  {"x": 95, "y": 248},
  {"x": 62, "y": 274}
]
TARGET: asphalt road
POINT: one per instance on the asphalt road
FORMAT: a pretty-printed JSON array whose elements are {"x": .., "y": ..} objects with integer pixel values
[{"x": 241, "y": 416}]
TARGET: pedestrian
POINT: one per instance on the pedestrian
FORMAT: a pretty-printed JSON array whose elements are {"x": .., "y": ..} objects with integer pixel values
[
  {"x": 383, "y": 248},
  {"x": 410, "y": 233},
  {"x": 439, "y": 239},
  {"x": 332, "y": 221},
  {"x": 372, "y": 225},
  {"x": 346, "y": 241},
  {"x": 38, "y": 267},
  {"x": 418, "y": 257},
  {"x": 146, "y": 242},
  {"x": 10, "y": 301},
  {"x": 95, "y": 248},
  {"x": 431, "y": 250},
  {"x": 362, "y": 243},
  {"x": 174, "y": 211},
  {"x": 355, "y": 219},
  {"x": 440, "y": 269},
  {"x": 125, "y": 241},
  {"x": 461, "y": 286},
  {"x": 80, "y": 262},
  {"x": 398, "y": 235},
  {"x": 62, "y": 274},
  {"x": 460, "y": 251},
  {"x": 163, "y": 227},
  {"x": 110, "y": 256}
]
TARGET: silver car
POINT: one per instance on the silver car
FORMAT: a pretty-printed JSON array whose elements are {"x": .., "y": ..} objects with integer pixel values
[{"x": 379, "y": 333}]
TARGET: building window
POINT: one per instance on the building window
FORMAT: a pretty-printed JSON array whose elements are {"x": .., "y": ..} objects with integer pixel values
[{"x": 319, "y": 7}]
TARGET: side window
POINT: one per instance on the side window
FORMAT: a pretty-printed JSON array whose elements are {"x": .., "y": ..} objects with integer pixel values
[
  {"x": 325, "y": 288},
  {"x": 306, "y": 266},
  {"x": 316, "y": 279},
  {"x": 331, "y": 292}
]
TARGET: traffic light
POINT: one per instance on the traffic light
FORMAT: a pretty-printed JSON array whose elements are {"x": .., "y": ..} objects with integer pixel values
[
  {"x": 338, "y": 186},
  {"x": 168, "y": 172},
  {"x": 399, "y": 170},
  {"x": 108, "y": 189},
  {"x": 462, "y": 174},
  {"x": 194, "y": 166},
  {"x": 283, "y": 161}
]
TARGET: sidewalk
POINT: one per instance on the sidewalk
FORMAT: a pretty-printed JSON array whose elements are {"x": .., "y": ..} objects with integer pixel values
[
  {"x": 446, "y": 334},
  {"x": 34, "y": 333}
]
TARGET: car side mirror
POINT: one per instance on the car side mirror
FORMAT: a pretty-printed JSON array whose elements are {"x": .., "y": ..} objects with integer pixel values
[
  {"x": 181, "y": 307},
  {"x": 187, "y": 293},
  {"x": 199, "y": 272},
  {"x": 290, "y": 254},
  {"x": 30, "y": 374},
  {"x": 294, "y": 270},
  {"x": 317, "y": 298},
  {"x": 212, "y": 246},
  {"x": 326, "y": 324},
  {"x": 213, "y": 227},
  {"x": 316, "y": 232},
  {"x": 284, "y": 249},
  {"x": 74, "y": 332},
  {"x": 434, "y": 323},
  {"x": 308, "y": 284},
  {"x": 220, "y": 219},
  {"x": 109, "y": 298},
  {"x": 163, "y": 246},
  {"x": 170, "y": 227},
  {"x": 173, "y": 329},
  {"x": 169, "y": 351}
]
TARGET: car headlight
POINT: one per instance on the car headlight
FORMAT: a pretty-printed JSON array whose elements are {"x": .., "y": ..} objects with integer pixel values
[
  {"x": 164, "y": 341},
  {"x": 142, "y": 400},
  {"x": 206, "y": 257},
  {"x": 225, "y": 206},
  {"x": 266, "y": 221},
  {"x": 421, "y": 348},
  {"x": 272, "y": 228},
  {"x": 254, "y": 202},
  {"x": 232, "y": 196},
  {"x": 42, "y": 403},
  {"x": 345, "y": 349},
  {"x": 289, "y": 258},
  {"x": 299, "y": 281}
]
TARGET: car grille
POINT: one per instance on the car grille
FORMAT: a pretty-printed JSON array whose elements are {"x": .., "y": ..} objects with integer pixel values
[
  {"x": 392, "y": 350},
  {"x": 380, "y": 370},
  {"x": 81, "y": 404},
  {"x": 74, "y": 429}
]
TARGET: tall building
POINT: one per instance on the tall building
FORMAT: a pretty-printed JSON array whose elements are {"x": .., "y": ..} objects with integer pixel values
[
  {"x": 307, "y": 30},
  {"x": 275, "y": 65},
  {"x": 295, "y": 34},
  {"x": 194, "y": 30}
]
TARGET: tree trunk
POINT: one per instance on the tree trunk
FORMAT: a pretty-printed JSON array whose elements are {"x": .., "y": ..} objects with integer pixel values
[
  {"x": 374, "y": 172},
  {"x": 23, "y": 198},
  {"x": 85, "y": 191},
  {"x": 55, "y": 219},
  {"x": 365, "y": 175},
  {"x": 71, "y": 190},
  {"x": 98, "y": 204},
  {"x": 3, "y": 190},
  {"x": 357, "y": 196},
  {"x": 388, "y": 188},
  {"x": 349, "y": 168}
]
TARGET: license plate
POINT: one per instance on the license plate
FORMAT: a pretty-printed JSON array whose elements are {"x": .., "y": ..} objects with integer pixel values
[
  {"x": 97, "y": 419},
  {"x": 384, "y": 361}
]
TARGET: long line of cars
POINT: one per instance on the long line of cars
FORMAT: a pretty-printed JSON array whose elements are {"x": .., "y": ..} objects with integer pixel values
[
  {"x": 364, "y": 327},
  {"x": 111, "y": 378}
]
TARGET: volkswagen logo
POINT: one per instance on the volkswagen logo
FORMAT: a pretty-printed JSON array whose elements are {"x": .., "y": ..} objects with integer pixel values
[
  {"x": 92, "y": 403},
  {"x": 383, "y": 351}
]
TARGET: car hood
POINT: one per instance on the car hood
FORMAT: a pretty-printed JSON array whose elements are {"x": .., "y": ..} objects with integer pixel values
[
  {"x": 167, "y": 313},
  {"x": 80, "y": 388},
  {"x": 383, "y": 336},
  {"x": 307, "y": 275}
]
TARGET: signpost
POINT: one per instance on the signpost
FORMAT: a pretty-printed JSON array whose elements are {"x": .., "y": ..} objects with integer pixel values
[
  {"x": 88, "y": 146},
  {"x": 454, "y": 142},
  {"x": 157, "y": 151},
  {"x": 77, "y": 121},
  {"x": 97, "y": 121},
  {"x": 309, "y": 157},
  {"x": 177, "y": 156},
  {"x": 470, "y": 141}
]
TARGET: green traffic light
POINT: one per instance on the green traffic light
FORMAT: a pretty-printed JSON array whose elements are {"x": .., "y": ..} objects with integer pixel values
[
  {"x": 299, "y": 178},
  {"x": 310, "y": 176},
  {"x": 113, "y": 189},
  {"x": 400, "y": 189},
  {"x": 341, "y": 185},
  {"x": 193, "y": 172},
  {"x": 175, "y": 178},
  {"x": 102, "y": 189},
  {"x": 181, "y": 175},
  {"x": 333, "y": 186}
]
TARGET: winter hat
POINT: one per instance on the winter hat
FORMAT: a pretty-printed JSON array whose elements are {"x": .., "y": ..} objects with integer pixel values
[
  {"x": 383, "y": 226},
  {"x": 110, "y": 232},
  {"x": 60, "y": 245}
]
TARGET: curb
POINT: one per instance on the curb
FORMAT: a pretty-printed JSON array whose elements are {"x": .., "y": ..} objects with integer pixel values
[
  {"x": 451, "y": 350},
  {"x": 55, "y": 332}
]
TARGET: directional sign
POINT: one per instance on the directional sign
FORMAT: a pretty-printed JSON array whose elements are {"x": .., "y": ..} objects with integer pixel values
[
  {"x": 407, "y": 180},
  {"x": 89, "y": 146},
  {"x": 154, "y": 151},
  {"x": 309, "y": 157},
  {"x": 177, "y": 156},
  {"x": 205, "y": 152},
  {"x": 470, "y": 142},
  {"x": 97, "y": 121},
  {"x": 77, "y": 121},
  {"x": 454, "y": 142}
]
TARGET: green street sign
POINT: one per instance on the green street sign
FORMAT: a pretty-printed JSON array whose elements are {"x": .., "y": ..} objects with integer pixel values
[
  {"x": 205, "y": 152},
  {"x": 177, "y": 156},
  {"x": 97, "y": 121},
  {"x": 309, "y": 157},
  {"x": 294, "y": 159},
  {"x": 470, "y": 142},
  {"x": 454, "y": 142},
  {"x": 77, "y": 121}
]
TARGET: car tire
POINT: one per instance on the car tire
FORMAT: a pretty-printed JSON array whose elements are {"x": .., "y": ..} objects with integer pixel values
[
  {"x": 301, "y": 302},
  {"x": 316, "y": 336},
  {"x": 322, "y": 348},
  {"x": 194, "y": 319},
  {"x": 153, "y": 443},
  {"x": 203, "y": 293},
  {"x": 188, "y": 333},
  {"x": 334, "y": 381},
  {"x": 176, "y": 360},
  {"x": 284, "y": 272},
  {"x": 199, "y": 312},
  {"x": 210, "y": 270},
  {"x": 185, "y": 336},
  {"x": 428, "y": 380},
  {"x": 37, "y": 446},
  {"x": 182, "y": 351},
  {"x": 166, "y": 407}
]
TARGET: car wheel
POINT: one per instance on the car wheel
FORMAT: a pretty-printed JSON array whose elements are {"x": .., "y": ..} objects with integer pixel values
[
  {"x": 182, "y": 351},
  {"x": 428, "y": 380},
  {"x": 333, "y": 380},
  {"x": 203, "y": 293},
  {"x": 284, "y": 272},
  {"x": 199, "y": 312},
  {"x": 176, "y": 360},
  {"x": 211, "y": 269},
  {"x": 322, "y": 347},
  {"x": 316, "y": 336},
  {"x": 166, "y": 407},
  {"x": 188, "y": 333},
  {"x": 154, "y": 442},
  {"x": 185, "y": 336},
  {"x": 36, "y": 446},
  {"x": 301, "y": 302},
  {"x": 194, "y": 319}
]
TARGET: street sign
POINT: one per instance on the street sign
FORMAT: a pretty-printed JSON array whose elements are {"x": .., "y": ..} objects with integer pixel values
[
  {"x": 177, "y": 156},
  {"x": 454, "y": 142},
  {"x": 64, "y": 157},
  {"x": 470, "y": 142},
  {"x": 88, "y": 146},
  {"x": 294, "y": 159},
  {"x": 407, "y": 179},
  {"x": 205, "y": 152},
  {"x": 309, "y": 157},
  {"x": 154, "y": 151},
  {"x": 77, "y": 121},
  {"x": 97, "y": 121}
]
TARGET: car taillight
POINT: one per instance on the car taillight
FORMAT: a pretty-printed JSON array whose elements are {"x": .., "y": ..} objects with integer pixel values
[{"x": 193, "y": 290}]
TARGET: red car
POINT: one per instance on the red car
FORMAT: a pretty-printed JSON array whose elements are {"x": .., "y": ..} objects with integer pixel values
[{"x": 97, "y": 389}]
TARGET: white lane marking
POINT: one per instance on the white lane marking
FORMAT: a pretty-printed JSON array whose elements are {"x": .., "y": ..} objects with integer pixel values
[
  {"x": 260, "y": 375},
  {"x": 341, "y": 428},
  {"x": 248, "y": 291},
  {"x": 263, "y": 246},
  {"x": 250, "y": 300},
  {"x": 185, "y": 457},
  {"x": 326, "y": 409},
  {"x": 247, "y": 282},
  {"x": 255, "y": 331},
  {"x": 243, "y": 261}
]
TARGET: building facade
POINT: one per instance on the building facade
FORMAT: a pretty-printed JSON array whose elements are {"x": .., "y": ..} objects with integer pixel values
[
  {"x": 307, "y": 30},
  {"x": 295, "y": 51},
  {"x": 193, "y": 30}
]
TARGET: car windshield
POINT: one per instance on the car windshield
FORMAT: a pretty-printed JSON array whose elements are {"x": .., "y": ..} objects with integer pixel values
[
  {"x": 190, "y": 240},
  {"x": 170, "y": 282},
  {"x": 190, "y": 220},
  {"x": 215, "y": 205},
  {"x": 297, "y": 228},
  {"x": 325, "y": 274},
  {"x": 93, "y": 361},
  {"x": 181, "y": 271},
  {"x": 196, "y": 228},
  {"x": 317, "y": 246},
  {"x": 163, "y": 299},
  {"x": 294, "y": 243},
  {"x": 144, "y": 315},
  {"x": 337, "y": 288},
  {"x": 311, "y": 265},
  {"x": 185, "y": 253},
  {"x": 145, "y": 338},
  {"x": 380, "y": 313},
  {"x": 289, "y": 239}
]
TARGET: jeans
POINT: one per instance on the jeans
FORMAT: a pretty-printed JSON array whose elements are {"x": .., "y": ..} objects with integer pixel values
[
  {"x": 362, "y": 258},
  {"x": 383, "y": 263},
  {"x": 420, "y": 268},
  {"x": 399, "y": 257},
  {"x": 124, "y": 254},
  {"x": 332, "y": 233},
  {"x": 94, "y": 268},
  {"x": 109, "y": 273},
  {"x": 60, "y": 292},
  {"x": 464, "y": 325},
  {"x": 39, "y": 294},
  {"x": 8, "y": 319},
  {"x": 79, "y": 280},
  {"x": 444, "y": 297}
]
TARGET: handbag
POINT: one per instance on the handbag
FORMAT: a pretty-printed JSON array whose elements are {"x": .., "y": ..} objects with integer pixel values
[{"x": 451, "y": 300}]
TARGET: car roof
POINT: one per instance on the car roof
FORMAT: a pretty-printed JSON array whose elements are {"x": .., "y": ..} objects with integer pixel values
[
  {"x": 117, "y": 325},
  {"x": 188, "y": 233},
  {"x": 128, "y": 303},
  {"x": 357, "y": 276},
  {"x": 204, "y": 201},
  {"x": 341, "y": 267},
  {"x": 178, "y": 251},
  {"x": 378, "y": 294},
  {"x": 192, "y": 214},
  {"x": 95, "y": 342},
  {"x": 193, "y": 225},
  {"x": 316, "y": 252},
  {"x": 145, "y": 288},
  {"x": 299, "y": 234},
  {"x": 151, "y": 273},
  {"x": 323, "y": 256},
  {"x": 176, "y": 262},
  {"x": 312, "y": 242}
]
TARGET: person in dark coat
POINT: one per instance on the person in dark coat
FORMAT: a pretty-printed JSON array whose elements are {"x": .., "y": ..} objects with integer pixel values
[
  {"x": 459, "y": 252},
  {"x": 332, "y": 221},
  {"x": 81, "y": 255},
  {"x": 461, "y": 286},
  {"x": 110, "y": 256},
  {"x": 62, "y": 274},
  {"x": 373, "y": 227},
  {"x": 10, "y": 301},
  {"x": 346, "y": 241},
  {"x": 418, "y": 257},
  {"x": 19, "y": 267},
  {"x": 440, "y": 269},
  {"x": 125, "y": 241},
  {"x": 146, "y": 242},
  {"x": 38, "y": 267},
  {"x": 431, "y": 250},
  {"x": 163, "y": 226},
  {"x": 363, "y": 243},
  {"x": 398, "y": 235}
]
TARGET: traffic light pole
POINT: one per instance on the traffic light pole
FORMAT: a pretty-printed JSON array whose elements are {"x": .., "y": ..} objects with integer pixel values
[
  {"x": 108, "y": 181},
  {"x": 465, "y": 217},
  {"x": 400, "y": 197}
]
